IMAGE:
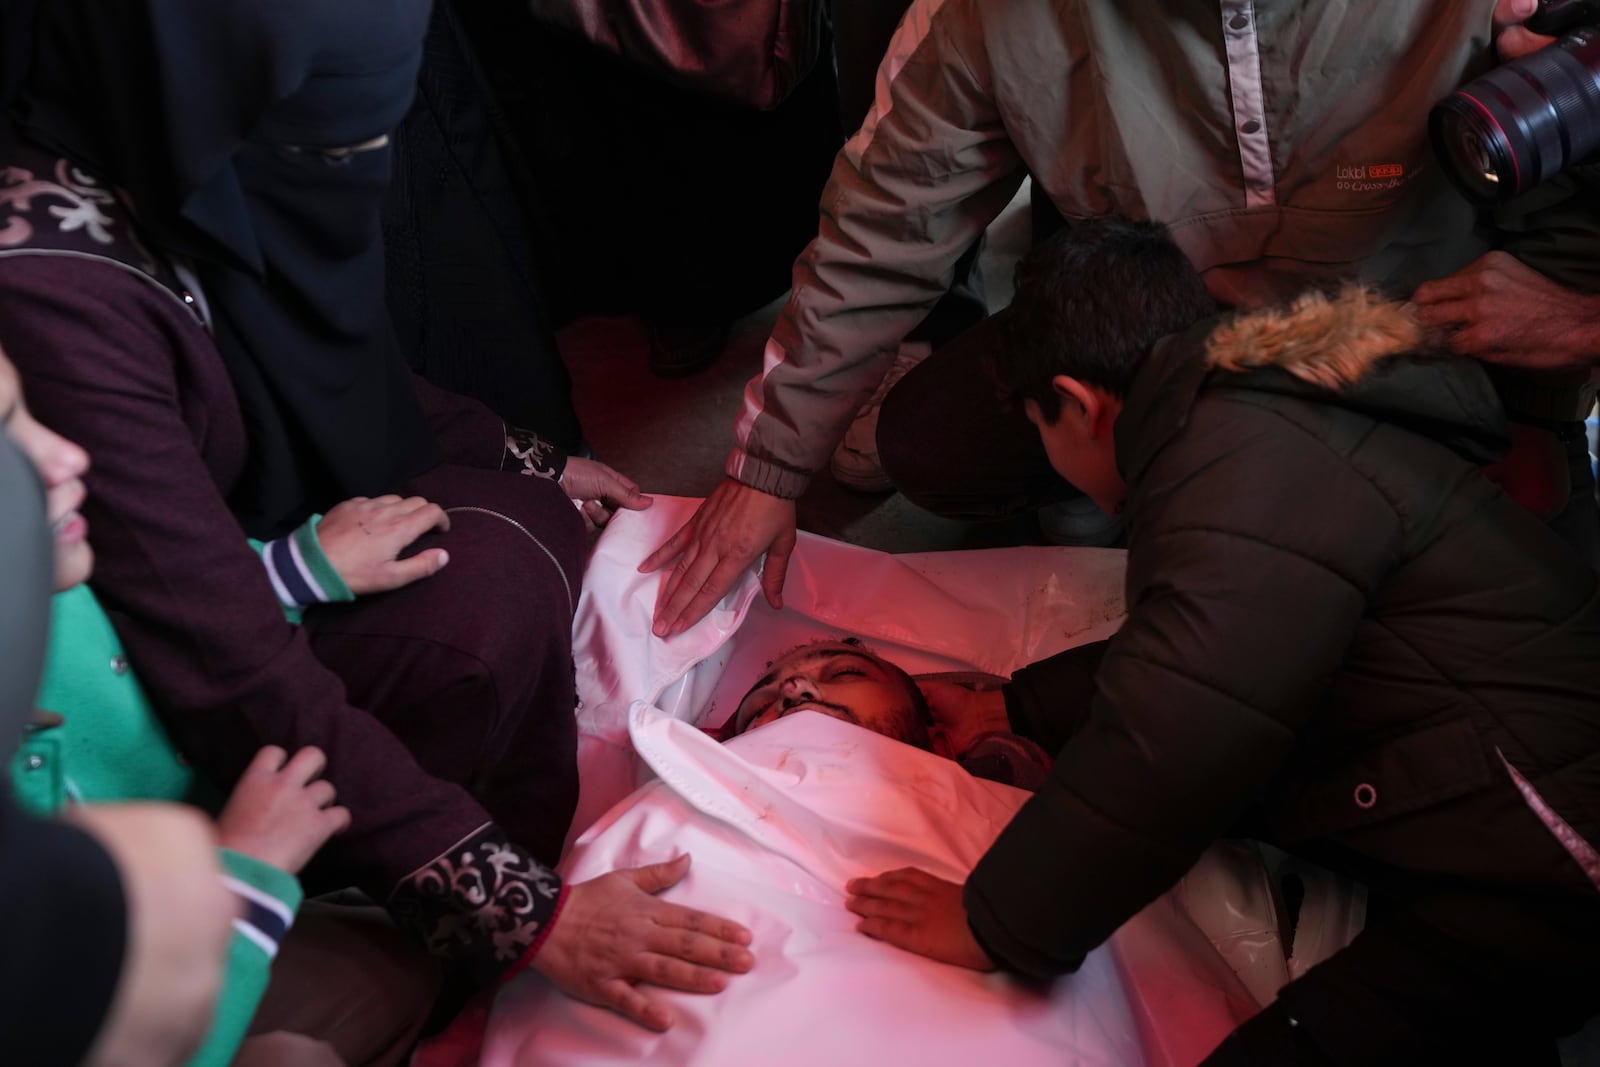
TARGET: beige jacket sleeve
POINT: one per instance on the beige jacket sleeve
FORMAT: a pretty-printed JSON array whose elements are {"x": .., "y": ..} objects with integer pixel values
[{"x": 928, "y": 171}]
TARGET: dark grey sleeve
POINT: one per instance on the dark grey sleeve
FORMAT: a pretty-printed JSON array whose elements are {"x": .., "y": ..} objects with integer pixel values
[{"x": 1048, "y": 701}]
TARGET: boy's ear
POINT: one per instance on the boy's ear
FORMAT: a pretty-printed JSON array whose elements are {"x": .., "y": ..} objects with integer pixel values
[{"x": 1075, "y": 393}]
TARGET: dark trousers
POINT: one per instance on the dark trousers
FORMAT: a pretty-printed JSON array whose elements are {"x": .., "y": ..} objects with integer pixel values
[
  {"x": 348, "y": 989},
  {"x": 464, "y": 293},
  {"x": 1579, "y": 522},
  {"x": 1405, "y": 995},
  {"x": 472, "y": 668},
  {"x": 650, "y": 199},
  {"x": 952, "y": 448}
]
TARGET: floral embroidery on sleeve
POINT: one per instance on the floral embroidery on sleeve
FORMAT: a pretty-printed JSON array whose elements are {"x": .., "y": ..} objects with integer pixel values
[
  {"x": 532, "y": 455},
  {"x": 81, "y": 206},
  {"x": 482, "y": 902}
]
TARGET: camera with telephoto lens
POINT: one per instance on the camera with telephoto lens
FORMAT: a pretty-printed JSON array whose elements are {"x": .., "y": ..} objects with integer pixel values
[{"x": 1525, "y": 121}]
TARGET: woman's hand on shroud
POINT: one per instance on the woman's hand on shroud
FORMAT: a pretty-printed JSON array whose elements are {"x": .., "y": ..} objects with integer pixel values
[{"x": 613, "y": 933}]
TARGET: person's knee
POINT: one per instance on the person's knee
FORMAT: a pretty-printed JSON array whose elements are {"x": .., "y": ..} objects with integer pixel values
[
  {"x": 949, "y": 446},
  {"x": 348, "y": 987},
  {"x": 521, "y": 512},
  {"x": 918, "y": 461},
  {"x": 907, "y": 448},
  {"x": 545, "y": 513}
]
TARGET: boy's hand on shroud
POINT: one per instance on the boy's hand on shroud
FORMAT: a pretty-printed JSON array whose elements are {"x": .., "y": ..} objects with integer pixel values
[
  {"x": 913, "y": 910},
  {"x": 612, "y": 932}
]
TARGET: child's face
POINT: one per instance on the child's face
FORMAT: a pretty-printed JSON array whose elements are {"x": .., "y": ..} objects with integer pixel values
[
  {"x": 61, "y": 466},
  {"x": 1081, "y": 448}
]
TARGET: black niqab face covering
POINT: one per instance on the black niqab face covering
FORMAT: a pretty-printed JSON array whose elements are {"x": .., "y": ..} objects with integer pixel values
[
  {"x": 251, "y": 139},
  {"x": 27, "y": 568}
]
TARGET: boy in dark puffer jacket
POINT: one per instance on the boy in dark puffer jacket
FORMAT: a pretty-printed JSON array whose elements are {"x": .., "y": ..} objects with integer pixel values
[{"x": 1341, "y": 639}]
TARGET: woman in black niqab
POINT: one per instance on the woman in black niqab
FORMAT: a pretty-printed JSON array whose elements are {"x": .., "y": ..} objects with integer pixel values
[
  {"x": 247, "y": 137},
  {"x": 251, "y": 141}
]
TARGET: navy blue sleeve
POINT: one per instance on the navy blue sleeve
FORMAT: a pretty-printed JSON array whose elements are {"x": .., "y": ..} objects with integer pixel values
[{"x": 65, "y": 940}]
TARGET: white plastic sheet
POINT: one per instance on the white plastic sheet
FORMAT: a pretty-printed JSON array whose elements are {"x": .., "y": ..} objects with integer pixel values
[
  {"x": 777, "y": 821},
  {"x": 992, "y": 611}
]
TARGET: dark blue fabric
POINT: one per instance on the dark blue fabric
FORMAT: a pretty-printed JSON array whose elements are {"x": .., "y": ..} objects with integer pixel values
[
  {"x": 216, "y": 117},
  {"x": 465, "y": 294},
  {"x": 266, "y": 922},
  {"x": 281, "y": 556}
]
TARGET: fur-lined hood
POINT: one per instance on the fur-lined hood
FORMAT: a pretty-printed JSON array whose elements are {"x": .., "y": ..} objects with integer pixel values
[
  {"x": 1353, "y": 349},
  {"x": 1328, "y": 341}
]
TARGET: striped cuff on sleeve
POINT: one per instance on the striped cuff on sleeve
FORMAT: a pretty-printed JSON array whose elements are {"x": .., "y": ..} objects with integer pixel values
[
  {"x": 299, "y": 571},
  {"x": 266, "y": 919}
]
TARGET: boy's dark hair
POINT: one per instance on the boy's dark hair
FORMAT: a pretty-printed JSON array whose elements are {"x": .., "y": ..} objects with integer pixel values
[{"x": 1090, "y": 303}]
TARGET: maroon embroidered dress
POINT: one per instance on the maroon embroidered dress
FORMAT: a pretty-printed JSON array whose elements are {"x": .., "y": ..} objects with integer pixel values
[{"x": 445, "y": 708}]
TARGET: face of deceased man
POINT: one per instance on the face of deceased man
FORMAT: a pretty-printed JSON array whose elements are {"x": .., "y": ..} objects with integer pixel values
[{"x": 843, "y": 681}]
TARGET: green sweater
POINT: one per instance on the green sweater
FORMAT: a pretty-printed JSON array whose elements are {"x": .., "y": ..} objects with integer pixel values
[{"x": 111, "y": 747}]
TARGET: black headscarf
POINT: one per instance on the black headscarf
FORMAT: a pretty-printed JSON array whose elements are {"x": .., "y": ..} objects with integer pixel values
[
  {"x": 214, "y": 117},
  {"x": 27, "y": 566},
  {"x": 16, "y": 45}
]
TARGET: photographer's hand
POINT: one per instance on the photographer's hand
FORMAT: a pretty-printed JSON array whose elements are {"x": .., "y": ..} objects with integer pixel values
[
  {"x": 1512, "y": 39},
  {"x": 1499, "y": 310}
]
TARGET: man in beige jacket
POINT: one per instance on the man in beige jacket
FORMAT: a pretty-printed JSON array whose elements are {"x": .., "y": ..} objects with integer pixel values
[{"x": 1283, "y": 143}]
